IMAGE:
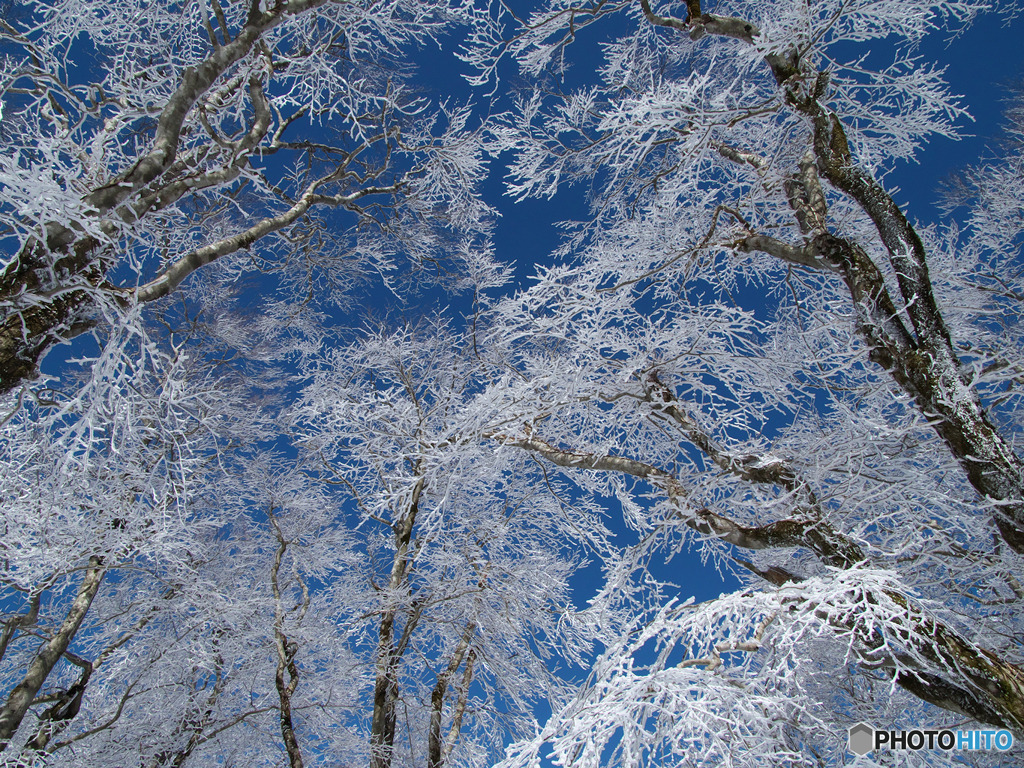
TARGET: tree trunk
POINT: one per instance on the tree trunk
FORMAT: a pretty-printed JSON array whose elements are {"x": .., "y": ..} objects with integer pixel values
[
  {"x": 435, "y": 747},
  {"x": 385, "y": 690},
  {"x": 20, "y": 699}
]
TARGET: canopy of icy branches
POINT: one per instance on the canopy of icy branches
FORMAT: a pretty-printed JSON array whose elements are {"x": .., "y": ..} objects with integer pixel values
[{"x": 292, "y": 474}]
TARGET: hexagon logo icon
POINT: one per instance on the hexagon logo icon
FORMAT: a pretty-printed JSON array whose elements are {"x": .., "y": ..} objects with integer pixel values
[{"x": 862, "y": 739}]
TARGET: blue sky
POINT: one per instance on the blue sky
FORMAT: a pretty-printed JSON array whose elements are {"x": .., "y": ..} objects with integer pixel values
[{"x": 979, "y": 66}]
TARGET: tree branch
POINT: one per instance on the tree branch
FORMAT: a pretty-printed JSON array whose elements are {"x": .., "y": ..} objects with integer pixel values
[
  {"x": 189, "y": 263},
  {"x": 925, "y": 365},
  {"x": 974, "y": 681}
]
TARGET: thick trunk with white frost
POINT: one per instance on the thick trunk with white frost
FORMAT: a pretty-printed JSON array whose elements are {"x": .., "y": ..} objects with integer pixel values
[
  {"x": 20, "y": 699},
  {"x": 921, "y": 359}
]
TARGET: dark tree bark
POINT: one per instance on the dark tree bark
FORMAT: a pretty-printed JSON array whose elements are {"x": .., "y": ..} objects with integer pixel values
[
  {"x": 921, "y": 360},
  {"x": 956, "y": 674},
  {"x": 435, "y": 745}
]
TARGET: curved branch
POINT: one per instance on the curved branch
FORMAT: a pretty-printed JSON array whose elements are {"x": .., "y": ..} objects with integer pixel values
[
  {"x": 200, "y": 257},
  {"x": 195, "y": 81},
  {"x": 973, "y": 680}
]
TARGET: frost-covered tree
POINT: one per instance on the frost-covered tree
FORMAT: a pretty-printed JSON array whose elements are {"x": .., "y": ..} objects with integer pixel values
[
  {"x": 466, "y": 545},
  {"x": 109, "y": 521},
  {"x": 771, "y": 361},
  {"x": 144, "y": 141},
  {"x": 141, "y": 143},
  {"x": 744, "y": 134},
  {"x": 234, "y": 535}
]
